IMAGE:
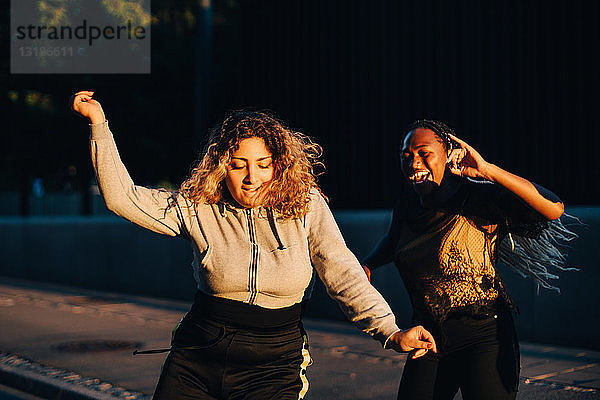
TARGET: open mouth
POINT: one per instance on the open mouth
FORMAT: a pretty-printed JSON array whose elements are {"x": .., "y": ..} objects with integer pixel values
[{"x": 419, "y": 177}]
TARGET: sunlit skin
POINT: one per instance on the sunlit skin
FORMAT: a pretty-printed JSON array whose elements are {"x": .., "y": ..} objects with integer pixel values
[
  {"x": 423, "y": 160},
  {"x": 84, "y": 104},
  {"x": 250, "y": 172}
]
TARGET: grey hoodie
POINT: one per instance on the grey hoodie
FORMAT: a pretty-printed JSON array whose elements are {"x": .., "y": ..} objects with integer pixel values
[{"x": 249, "y": 255}]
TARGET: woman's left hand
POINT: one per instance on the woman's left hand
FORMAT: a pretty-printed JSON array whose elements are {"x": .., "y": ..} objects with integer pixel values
[
  {"x": 466, "y": 161},
  {"x": 416, "y": 340}
]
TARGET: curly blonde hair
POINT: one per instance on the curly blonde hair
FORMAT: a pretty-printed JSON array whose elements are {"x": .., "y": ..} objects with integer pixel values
[{"x": 296, "y": 160}]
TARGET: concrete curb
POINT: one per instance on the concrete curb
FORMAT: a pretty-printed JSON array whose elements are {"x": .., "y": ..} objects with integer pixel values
[{"x": 54, "y": 383}]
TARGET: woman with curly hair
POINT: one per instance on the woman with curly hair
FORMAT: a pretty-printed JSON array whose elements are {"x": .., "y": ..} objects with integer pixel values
[
  {"x": 446, "y": 236},
  {"x": 259, "y": 226}
]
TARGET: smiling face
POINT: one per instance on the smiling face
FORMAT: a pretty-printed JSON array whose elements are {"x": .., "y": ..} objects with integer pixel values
[
  {"x": 250, "y": 172},
  {"x": 423, "y": 160}
]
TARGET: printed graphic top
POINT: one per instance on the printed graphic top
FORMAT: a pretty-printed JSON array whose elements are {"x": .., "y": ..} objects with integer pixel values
[{"x": 447, "y": 255}]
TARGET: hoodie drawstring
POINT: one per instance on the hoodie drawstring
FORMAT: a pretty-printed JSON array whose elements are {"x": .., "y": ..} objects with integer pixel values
[{"x": 273, "y": 226}]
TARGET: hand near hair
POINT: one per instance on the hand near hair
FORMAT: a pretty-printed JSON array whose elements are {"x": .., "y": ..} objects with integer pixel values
[
  {"x": 466, "y": 161},
  {"x": 83, "y": 104},
  {"x": 416, "y": 340}
]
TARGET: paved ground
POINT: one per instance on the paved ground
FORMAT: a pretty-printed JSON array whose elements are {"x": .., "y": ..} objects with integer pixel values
[{"x": 81, "y": 342}]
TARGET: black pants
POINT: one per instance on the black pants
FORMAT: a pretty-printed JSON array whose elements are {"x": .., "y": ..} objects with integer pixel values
[
  {"x": 479, "y": 357},
  {"x": 259, "y": 354}
]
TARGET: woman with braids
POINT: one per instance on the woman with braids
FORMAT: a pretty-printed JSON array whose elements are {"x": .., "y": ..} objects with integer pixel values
[
  {"x": 258, "y": 225},
  {"x": 445, "y": 238}
]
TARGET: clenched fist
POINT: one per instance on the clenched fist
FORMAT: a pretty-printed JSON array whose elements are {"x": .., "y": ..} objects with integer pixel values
[{"x": 84, "y": 104}]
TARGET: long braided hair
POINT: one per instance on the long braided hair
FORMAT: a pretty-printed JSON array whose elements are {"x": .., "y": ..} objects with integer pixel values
[{"x": 540, "y": 257}]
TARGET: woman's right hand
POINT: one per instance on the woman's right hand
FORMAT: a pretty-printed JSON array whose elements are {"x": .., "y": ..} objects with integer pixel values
[{"x": 84, "y": 104}]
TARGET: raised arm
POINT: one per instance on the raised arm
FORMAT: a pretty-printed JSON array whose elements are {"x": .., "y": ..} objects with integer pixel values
[
  {"x": 466, "y": 161},
  {"x": 154, "y": 209}
]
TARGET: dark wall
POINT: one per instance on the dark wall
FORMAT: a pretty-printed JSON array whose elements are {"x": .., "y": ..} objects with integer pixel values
[{"x": 518, "y": 80}]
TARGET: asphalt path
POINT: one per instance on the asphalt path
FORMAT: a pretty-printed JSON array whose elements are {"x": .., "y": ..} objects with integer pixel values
[{"x": 80, "y": 342}]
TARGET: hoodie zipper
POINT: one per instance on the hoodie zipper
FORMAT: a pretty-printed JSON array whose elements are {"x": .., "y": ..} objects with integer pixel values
[{"x": 254, "y": 258}]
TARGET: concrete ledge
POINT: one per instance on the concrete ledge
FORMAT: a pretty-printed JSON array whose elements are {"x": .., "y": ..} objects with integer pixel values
[{"x": 111, "y": 254}]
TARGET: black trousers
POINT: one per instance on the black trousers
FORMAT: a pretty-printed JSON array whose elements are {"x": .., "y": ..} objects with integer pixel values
[
  {"x": 224, "y": 349},
  {"x": 478, "y": 356}
]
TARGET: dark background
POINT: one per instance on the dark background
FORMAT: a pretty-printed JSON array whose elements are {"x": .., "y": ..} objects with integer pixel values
[{"x": 518, "y": 80}]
